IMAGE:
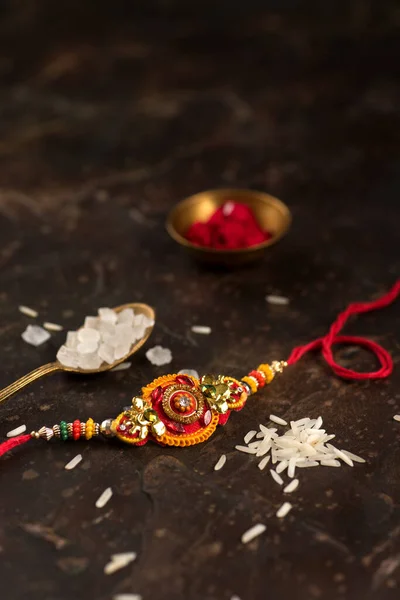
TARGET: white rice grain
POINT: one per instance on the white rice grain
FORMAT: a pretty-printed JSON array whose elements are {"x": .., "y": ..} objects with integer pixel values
[
  {"x": 292, "y": 466},
  {"x": 220, "y": 463},
  {"x": 342, "y": 455},
  {"x": 119, "y": 561},
  {"x": 263, "y": 463},
  {"x": 396, "y": 417},
  {"x": 282, "y": 466},
  {"x": 330, "y": 463},
  {"x": 52, "y": 326},
  {"x": 354, "y": 457},
  {"x": 276, "y": 477},
  {"x": 16, "y": 431},
  {"x": 284, "y": 510},
  {"x": 293, "y": 485},
  {"x": 249, "y": 436},
  {"x": 28, "y": 312},
  {"x": 253, "y": 532},
  {"x": 201, "y": 329},
  {"x": 128, "y": 597},
  {"x": 277, "y": 420},
  {"x": 318, "y": 423},
  {"x": 73, "y": 463},
  {"x": 104, "y": 498},
  {"x": 278, "y": 300},
  {"x": 246, "y": 449}
]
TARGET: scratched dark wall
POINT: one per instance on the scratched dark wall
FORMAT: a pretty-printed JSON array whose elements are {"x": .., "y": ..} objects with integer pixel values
[{"x": 110, "y": 112}]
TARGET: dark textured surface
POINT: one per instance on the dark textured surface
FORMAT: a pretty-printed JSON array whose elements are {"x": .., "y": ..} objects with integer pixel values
[{"x": 107, "y": 117}]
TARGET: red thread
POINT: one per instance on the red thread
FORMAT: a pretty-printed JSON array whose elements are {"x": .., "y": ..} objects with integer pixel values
[
  {"x": 13, "y": 443},
  {"x": 326, "y": 342}
]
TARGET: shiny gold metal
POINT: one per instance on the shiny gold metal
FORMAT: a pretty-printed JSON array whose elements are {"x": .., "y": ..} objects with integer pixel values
[
  {"x": 272, "y": 214},
  {"x": 190, "y": 418},
  {"x": 57, "y": 366}
]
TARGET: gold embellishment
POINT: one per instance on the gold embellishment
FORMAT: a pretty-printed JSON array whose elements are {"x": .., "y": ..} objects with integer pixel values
[
  {"x": 139, "y": 420},
  {"x": 216, "y": 391},
  {"x": 182, "y": 418}
]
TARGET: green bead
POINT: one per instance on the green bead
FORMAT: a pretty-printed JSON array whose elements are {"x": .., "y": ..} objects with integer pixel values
[{"x": 63, "y": 431}]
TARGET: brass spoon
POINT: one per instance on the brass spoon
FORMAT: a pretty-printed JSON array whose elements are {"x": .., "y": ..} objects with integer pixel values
[{"x": 57, "y": 366}]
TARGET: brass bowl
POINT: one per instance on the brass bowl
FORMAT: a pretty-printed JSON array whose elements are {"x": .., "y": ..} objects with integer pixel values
[{"x": 272, "y": 214}]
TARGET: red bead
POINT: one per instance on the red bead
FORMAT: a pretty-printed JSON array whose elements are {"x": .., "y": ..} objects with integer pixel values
[
  {"x": 258, "y": 377},
  {"x": 76, "y": 429}
]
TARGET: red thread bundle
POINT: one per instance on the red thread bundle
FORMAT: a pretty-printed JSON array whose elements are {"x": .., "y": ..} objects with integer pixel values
[{"x": 231, "y": 227}]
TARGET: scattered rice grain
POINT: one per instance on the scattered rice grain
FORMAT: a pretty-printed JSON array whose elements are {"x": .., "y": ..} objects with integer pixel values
[
  {"x": 119, "y": 561},
  {"x": 220, "y": 463},
  {"x": 201, "y": 329},
  {"x": 396, "y": 417},
  {"x": 263, "y": 463},
  {"x": 293, "y": 485},
  {"x": 278, "y": 300},
  {"x": 354, "y": 457},
  {"x": 277, "y": 420},
  {"x": 276, "y": 477},
  {"x": 253, "y": 532},
  {"x": 284, "y": 509},
  {"x": 73, "y": 463},
  {"x": 17, "y": 431},
  {"x": 331, "y": 462},
  {"x": 127, "y": 597},
  {"x": 249, "y": 436},
  {"x": 28, "y": 312},
  {"x": 104, "y": 498},
  {"x": 343, "y": 456},
  {"x": 52, "y": 326},
  {"x": 246, "y": 449}
]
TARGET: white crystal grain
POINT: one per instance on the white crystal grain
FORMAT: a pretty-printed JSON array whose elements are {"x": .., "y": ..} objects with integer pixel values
[
  {"x": 159, "y": 355},
  {"x": 68, "y": 357},
  {"x": 108, "y": 315},
  {"x": 35, "y": 335}
]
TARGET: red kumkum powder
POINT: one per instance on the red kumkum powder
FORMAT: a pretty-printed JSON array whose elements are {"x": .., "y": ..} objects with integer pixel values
[{"x": 231, "y": 227}]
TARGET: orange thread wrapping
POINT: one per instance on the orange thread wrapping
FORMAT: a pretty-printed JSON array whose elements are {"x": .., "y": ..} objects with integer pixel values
[{"x": 191, "y": 439}]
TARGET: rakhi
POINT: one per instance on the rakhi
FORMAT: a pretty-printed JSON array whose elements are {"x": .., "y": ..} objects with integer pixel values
[{"x": 181, "y": 410}]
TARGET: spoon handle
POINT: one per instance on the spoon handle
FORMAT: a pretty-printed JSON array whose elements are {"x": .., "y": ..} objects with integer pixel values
[{"x": 29, "y": 378}]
